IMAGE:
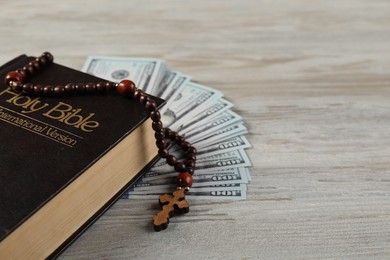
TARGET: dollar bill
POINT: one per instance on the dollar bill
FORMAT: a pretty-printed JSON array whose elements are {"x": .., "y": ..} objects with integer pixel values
[
  {"x": 169, "y": 77},
  {"x": 144, "y": 72},
  {"x": 219, "y": 106},
  {"x": 221, "y": 135},
  {"x": 221, "y": 121},
  {"x": 234, "y": 143},
  {"x": 173, "y": 90},
  {"x": 191, "y": 102}
]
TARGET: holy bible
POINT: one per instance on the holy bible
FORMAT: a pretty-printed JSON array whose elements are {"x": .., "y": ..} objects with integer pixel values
[{"x": 63, "y": 161}]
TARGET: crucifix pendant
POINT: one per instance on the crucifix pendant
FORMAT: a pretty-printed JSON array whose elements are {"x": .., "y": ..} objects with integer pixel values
[{"x": 175, "y": 203}]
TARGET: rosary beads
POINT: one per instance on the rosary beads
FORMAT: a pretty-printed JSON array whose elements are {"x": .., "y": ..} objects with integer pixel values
[{"x": 16, "y": 80}]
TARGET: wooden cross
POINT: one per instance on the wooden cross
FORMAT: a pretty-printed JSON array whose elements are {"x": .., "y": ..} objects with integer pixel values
[{"x": 170, "y": 205}]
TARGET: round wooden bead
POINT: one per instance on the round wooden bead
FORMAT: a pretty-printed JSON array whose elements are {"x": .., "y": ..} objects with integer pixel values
[
  {"x": 110, "y": 87},
  {"x": 26, "y": 70},
  {"x": 189, "y": 163},
  {"x": 22, "y": 73},
  {"x": 38, "y": 90},
  {"x": 155, "y": 115},
  {"x": 163, "y": 153},
  {"x": 151, "y": 105},
  {"x": 191, "y": 156},
  {"x": 30, "y": 69},
  {"x": 168, "y": 132},
  {"x": 28, "y": 88},
  {"x": 137, "y": 93},
  {"x": 13, "y": 76},
  {"x": 192, "y": 150},
  {"x": 184, "y": 180},
  {"x": 179, "y": 139},
  {"x": 185, "y": 145},
  {"x": 17, "y": 86},
  {"x": 59, "y": 91},
  {"x": 190, "y": 170},
  {"x": 90, "y": 88},
  {"x": 160, "y": 144},
  {"x": 80, "y": 88},
  {"x": 48, "y": 90},
  {"x": 42, "y": 60},
  {"x": 142, "y": 98},
  {"x": 36, "y": 65},
  {"x": 69, "y": 88},
  {"x": 157, "y": 126},
  {"x": 159, "y": 135},
  {"x": 126, "y": 88},
  {"x": 48, "y": 56},
  {"x": 101, "y": 87},
  {"x": 180, "y": 167},
  {"x": 171, "y": 160},
  {"x": 173, "y": 135}
]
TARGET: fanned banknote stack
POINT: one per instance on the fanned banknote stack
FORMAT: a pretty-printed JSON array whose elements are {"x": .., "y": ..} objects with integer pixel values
[{"x": 197, "y": 112}]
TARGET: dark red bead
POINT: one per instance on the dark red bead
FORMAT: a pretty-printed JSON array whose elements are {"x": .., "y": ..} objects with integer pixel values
[
  {"x": 13, "y": 76},
  {"x": 171, "y": 160},
  {"x": 192, "y": 150},
  {"x": 155, "y": 115},
  {"x": 168, "y": 132},
  {"x": 101, "y": 87},
  {"x": 70, "y": 88},
  {"x": 137, "y": 93},
  {"x": 142, "y": 99},
  {"x": 38, "y": 90},
  {"x": 189, "y": 163},
  {"x": 190, "y": 170},
  {"x": 59, "y": 91},
  {"x": 110, "y": 86},
  {"x": 163, "y": 153},
  {"x": 36, "y": 65},
  {"x": 80, "y": 88},
  {"x": 151, "y": 105},
  {"x": 17, "y": 86},
  {"x": 160, "y": 144},
  {"x": 179, "y": 139},
  {"x": 25, "y": 69},
  {"x": 191, "y": 156},
  {"x": 180, "y": 167},
  {"x": 173, "y": 135},
  {"x": 48, "y": 90},
  {"x": 157, "y": 126},
  {"x": 48, "y": 56},
  {"x": 159, "y": 135},
  {"x": 30, "y": 69},
  {"x": 28, "y": 88},
  {"x": 126, "y": 88},
  {"x": 22, "y": 73},
  {"x": 90, "y": 88},
  {"x": 184, "y": 180},
  {"x": 42, "y": 60},
  {"x": 185, "y": 145}
]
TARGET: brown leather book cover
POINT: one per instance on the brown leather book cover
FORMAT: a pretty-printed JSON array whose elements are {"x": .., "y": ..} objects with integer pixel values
[{"x": 48, "y": 143}]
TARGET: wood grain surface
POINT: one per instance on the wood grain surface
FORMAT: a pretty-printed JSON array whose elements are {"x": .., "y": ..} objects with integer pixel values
[{"x": 312, "y": 82}]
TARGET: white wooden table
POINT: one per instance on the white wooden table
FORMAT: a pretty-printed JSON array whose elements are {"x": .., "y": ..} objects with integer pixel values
[{"x": 312, "y": 82}]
